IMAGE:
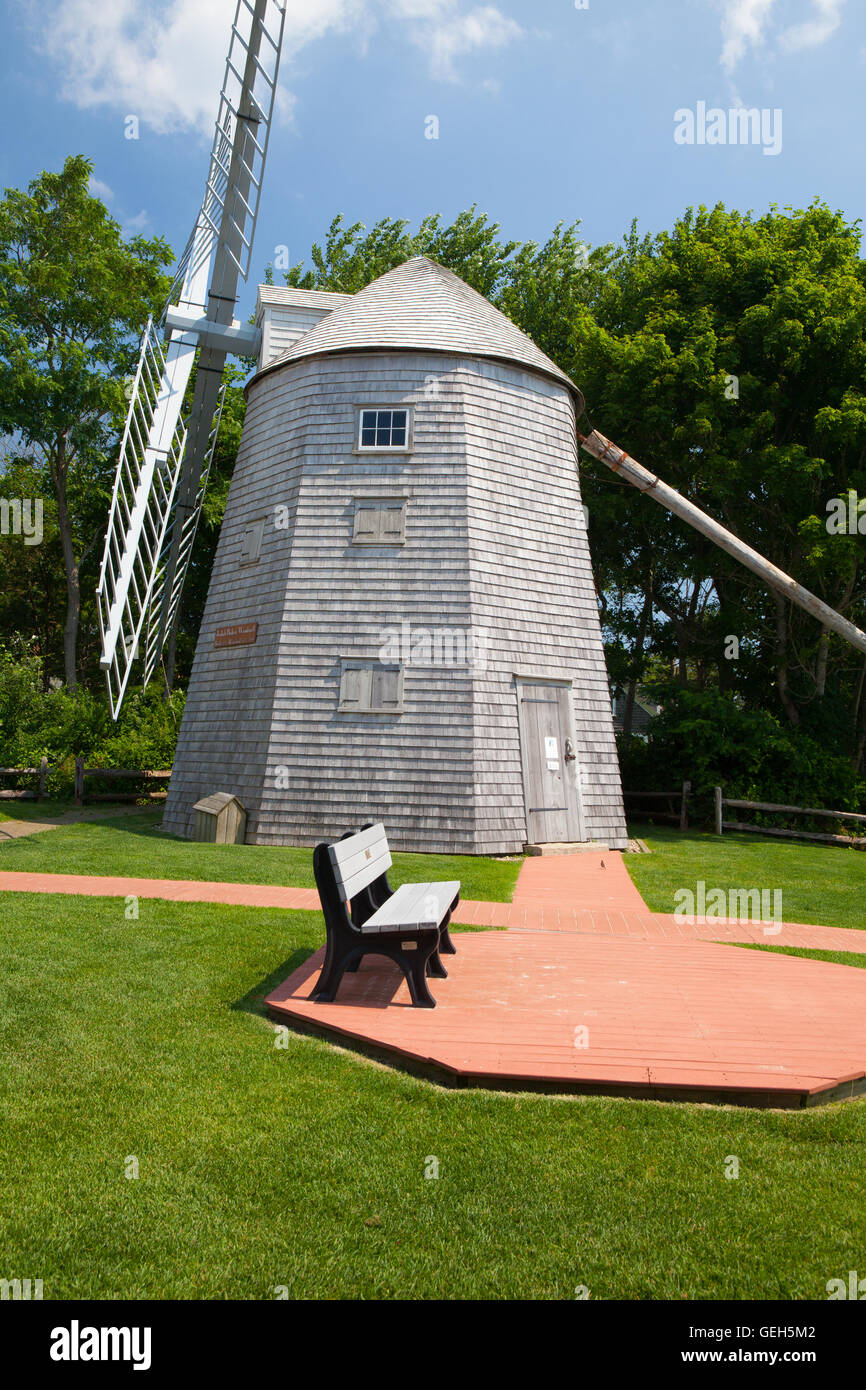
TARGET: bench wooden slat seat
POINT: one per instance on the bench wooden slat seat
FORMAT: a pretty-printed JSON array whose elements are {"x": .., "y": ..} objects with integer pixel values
[
  {"x": 365, "y": 916},
  {"x": 415, "y": 905}
]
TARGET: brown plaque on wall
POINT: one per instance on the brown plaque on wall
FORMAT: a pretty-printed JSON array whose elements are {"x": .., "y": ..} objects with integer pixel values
[{"x": 238, "y": 635}]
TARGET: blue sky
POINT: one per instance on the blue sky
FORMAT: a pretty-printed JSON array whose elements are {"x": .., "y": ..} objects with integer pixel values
[{"x": 546, "y": 112}]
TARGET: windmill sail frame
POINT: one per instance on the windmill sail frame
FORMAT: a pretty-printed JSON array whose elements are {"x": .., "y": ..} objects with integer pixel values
[{"x": 164, "y": 462}]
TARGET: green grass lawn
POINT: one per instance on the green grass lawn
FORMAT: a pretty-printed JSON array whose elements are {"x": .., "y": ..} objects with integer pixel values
[
  {"x": 819, "y": 884},
  {"x": 851, "y": 958},
  {"x": 304, "y": 1167},
  {"x": 32, "y": 810},
  {"x": 137, "y": 848}
]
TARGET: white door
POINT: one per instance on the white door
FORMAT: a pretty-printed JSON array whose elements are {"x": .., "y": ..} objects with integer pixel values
[{"x": 551, "y": 781}]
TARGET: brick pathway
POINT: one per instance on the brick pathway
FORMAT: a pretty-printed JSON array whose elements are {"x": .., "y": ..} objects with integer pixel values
[
  {"x": 553, "y": 894},
  {"x": 656, "y": 1020},
  {"x": 586, "y": 990}
]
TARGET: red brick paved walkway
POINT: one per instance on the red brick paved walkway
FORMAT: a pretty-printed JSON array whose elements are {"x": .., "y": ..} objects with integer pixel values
[
  {"x": 557, "y": 893},
  {"x": 586, "y": 990},
  {"x": 664, "y": 1020}
]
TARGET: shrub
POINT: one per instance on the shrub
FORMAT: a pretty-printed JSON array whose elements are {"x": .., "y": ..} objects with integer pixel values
[
  {"x": 707, "y": 739},
  {"x": 61, "y": 725}
]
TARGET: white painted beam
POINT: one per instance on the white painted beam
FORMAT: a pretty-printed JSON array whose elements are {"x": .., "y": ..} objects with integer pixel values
[
  {"x": 242, "y": 339},
  {"x": 619, "y": 462}
]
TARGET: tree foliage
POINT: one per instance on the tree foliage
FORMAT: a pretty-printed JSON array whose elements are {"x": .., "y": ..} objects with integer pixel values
[
  {"x": 728, "y": 354},
  {"x": 74, "y": 297}
]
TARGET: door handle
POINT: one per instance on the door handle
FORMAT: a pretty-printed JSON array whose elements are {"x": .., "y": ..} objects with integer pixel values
[{"x": 570, "y": 754}]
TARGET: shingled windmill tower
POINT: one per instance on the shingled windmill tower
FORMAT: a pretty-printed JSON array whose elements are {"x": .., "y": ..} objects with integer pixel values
[{"x": 402, "y": 623}]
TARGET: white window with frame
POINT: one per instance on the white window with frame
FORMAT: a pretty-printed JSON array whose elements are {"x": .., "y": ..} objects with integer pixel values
[
  {"x": 251, "y": 542},
  {"x": 379, "y": 521},
  {"x": 384, "y": 430},
  {"x": 371, "y": 687}
]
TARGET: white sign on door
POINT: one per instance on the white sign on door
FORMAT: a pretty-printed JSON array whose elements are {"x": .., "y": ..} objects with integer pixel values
[{"x": 551, "y": 753}]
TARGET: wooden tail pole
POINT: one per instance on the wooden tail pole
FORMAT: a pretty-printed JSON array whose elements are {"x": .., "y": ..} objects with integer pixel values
[{"x": 626, "y": 467}]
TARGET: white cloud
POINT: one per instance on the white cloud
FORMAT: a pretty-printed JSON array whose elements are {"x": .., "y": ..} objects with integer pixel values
[
  {"x": 483, "y": 28},
  {"x": 130, "y": 226},
  {"x": 816, "y": 30},
  {"x": 163, "y": 60},
  {"x": 98, "y": 189},
  {"x": 745, "y": 25},
  {"x": 445, "y": 33},
  {"x": 140, "y": 223}
]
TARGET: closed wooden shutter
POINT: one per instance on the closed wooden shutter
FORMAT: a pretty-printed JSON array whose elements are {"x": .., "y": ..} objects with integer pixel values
[
  {"x": 251, "y": 542},
  {"x": 356, "y": 688},
  {"x": 386, "y": 688},
  {"x": 393, "y": 523},
  {"x": 367, "y": 523},
  {"x": 379, "y": 523}
]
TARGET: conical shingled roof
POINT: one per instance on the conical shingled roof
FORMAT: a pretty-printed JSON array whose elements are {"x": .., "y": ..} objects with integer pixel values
[{"x": 422, "y": 306}]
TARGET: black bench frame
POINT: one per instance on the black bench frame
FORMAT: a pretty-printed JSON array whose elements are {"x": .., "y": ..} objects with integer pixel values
[{"x": 346, "y": 945}]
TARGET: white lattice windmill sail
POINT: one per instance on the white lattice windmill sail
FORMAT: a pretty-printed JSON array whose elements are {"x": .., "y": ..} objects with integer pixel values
[{"x": 164, "y": 460}]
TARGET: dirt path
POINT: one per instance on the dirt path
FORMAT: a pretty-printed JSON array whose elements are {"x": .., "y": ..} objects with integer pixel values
[{"x": 18, "y": 829}]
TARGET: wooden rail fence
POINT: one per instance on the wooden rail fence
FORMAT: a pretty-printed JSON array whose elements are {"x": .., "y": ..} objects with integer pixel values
[
  {"x": 21, "y": 794},
  {"x": 117, "y": 773},
  {"x": 680, "y": 817},
  {"x": 851, "y": 841}
]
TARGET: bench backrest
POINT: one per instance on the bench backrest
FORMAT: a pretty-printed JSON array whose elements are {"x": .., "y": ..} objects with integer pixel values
[{"x": 358, "y": 860}]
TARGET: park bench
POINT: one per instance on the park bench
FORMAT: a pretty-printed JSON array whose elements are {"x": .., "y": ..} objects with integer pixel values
[{"x": 365, "y": 916}]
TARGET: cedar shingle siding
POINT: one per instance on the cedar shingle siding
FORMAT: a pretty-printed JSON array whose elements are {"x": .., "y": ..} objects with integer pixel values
[{"x": 493, "y": 548}]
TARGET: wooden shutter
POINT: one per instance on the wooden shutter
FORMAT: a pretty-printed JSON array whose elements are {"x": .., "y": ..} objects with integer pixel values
[
  {"x": 386, "y": 692},
  {"x": 393, "y": 523},
  {"x": 380, "y": 523},
  {"x": 367, "y": 519},
  {"x": 356, "y": 687},
  {"x": 251, "y": 542}
]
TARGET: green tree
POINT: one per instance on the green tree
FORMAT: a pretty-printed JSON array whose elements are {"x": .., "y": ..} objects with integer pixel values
[
  {"x": 31, "y": 569},
  {"x": 352, "y": 257},
  {"x": 729, "y": 355},
  {"x": 74, "y": 297}
]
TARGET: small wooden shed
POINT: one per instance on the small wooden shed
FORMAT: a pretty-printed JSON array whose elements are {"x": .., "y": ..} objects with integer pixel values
[{"x": 220, "y": 819}]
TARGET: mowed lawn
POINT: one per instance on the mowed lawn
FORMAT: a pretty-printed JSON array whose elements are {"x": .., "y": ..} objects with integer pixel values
[
  {"x": 263, "y": 1168},
  {"x": 31, "y": 810},
  {"x": 135, "y": 847},
  {"x": 820, "y": 884}
]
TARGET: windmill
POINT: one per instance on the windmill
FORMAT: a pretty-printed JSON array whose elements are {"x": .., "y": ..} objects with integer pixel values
[
  {"x": 165, "y": 459},
  {"x": 423, "y": 452}
]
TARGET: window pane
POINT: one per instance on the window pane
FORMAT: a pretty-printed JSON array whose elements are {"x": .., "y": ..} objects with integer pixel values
[{"x": 383, "y": 429}]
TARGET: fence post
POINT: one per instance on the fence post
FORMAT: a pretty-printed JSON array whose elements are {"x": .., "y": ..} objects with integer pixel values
[
  {"x": 718, "y": 810},
  {"x": 79, "y": 781},
  {"x": 43, "y": 773},
  {"x": 684, "y": 808}
]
